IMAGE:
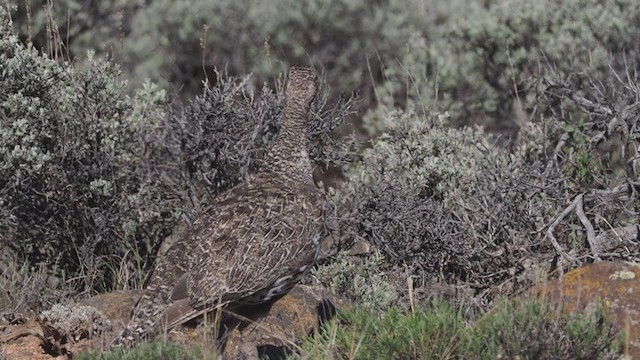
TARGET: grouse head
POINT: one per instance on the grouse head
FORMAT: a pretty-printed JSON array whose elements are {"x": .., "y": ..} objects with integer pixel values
[{"x": 301, "y": 86}]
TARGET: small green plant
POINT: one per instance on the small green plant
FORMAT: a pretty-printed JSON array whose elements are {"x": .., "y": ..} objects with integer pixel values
[{"x": 580, "y": 164}]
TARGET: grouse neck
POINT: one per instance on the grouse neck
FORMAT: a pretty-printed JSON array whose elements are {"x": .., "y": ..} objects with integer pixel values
[{"x": 289, "y": 156}]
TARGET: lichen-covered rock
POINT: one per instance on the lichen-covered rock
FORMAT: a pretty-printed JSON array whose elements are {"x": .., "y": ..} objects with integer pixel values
[
  {"x": 614, "y": 285},
  {"x": 116, "y": 306}
]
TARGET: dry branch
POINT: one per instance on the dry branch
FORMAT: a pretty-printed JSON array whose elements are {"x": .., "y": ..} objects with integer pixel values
[{"x": 556, "y": 222}]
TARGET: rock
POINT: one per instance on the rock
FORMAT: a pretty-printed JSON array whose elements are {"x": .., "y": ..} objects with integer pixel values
[
  {"x": 615, "y": 285},
  {"x": 23, "y": 342},
  {"x": 360, "y": 248},
  {"x": 289, "y": 319},
  {"x": 26, "y": 348},
  {"x": 116, "y": 306}
]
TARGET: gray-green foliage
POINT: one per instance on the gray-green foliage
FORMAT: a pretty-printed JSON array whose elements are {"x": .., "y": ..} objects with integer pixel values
[
  {"x": 445, "y": 202},
  {"x": 72, "y": 190},
  {"x": 74, "y": 322},
  {"x": 471, "y": 58},
  {"x": 167, "y": 41},
  {"x": 363, "y": 282},
  {"x": 263, "y": 38},
  {"x": 66, "y": 29},
  {"x": 485, "y": 58}
]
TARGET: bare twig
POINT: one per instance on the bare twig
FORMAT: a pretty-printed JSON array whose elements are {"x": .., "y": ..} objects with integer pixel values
[
  {"x": 559, "y": 146},
  {"x": 203, "y": 46},
  {"x": 609, "y": 193},
  {"x": 591, "y": 234},
  {"x": 590, "y": 106},
  {"x": 555, "y": 223}
]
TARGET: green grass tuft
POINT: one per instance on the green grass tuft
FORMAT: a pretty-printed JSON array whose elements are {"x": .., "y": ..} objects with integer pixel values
[
  {"x": 530, "y": 329},
  {"x": 158, "y": 350},
  {"x": 434, "y": 333}
]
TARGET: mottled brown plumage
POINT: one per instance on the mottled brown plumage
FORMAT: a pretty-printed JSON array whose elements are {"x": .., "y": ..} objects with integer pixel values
[{"x": 252, "y": 244}]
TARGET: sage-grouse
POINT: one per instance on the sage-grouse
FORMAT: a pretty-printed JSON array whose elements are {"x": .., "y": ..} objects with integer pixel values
[{"x": 254, "y": 243}]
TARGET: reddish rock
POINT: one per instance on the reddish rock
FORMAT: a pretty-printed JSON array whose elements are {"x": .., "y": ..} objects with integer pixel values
[
  {"x": 23, "y": 341},
  {"x": 289, "y": 319},
  {"x": 26, "y": 348},
  {"x": 614, "y": 285},
  {"x": 116, "y": 306}
]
